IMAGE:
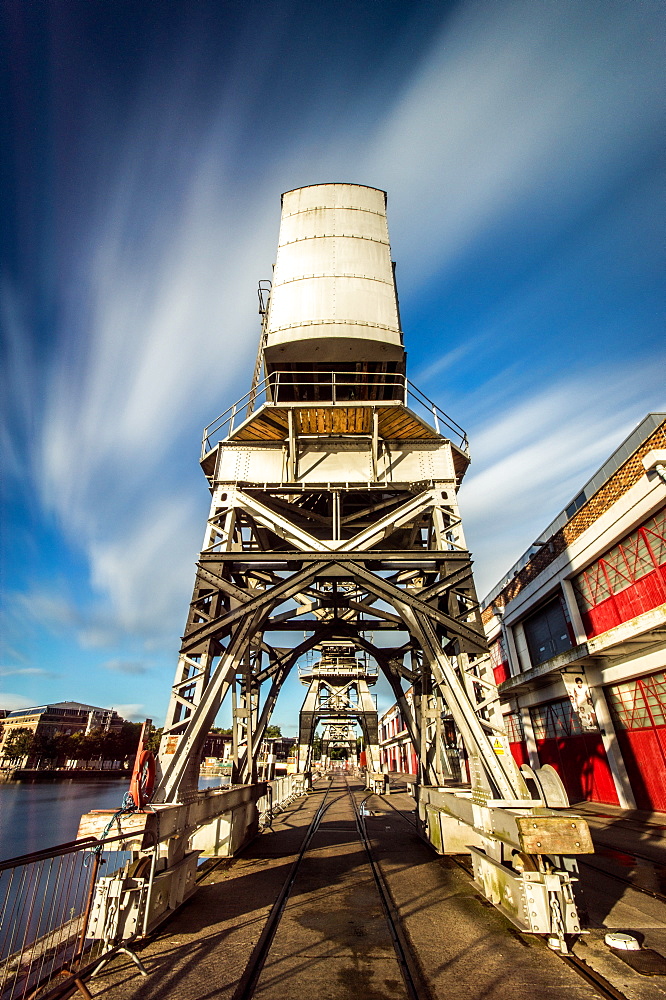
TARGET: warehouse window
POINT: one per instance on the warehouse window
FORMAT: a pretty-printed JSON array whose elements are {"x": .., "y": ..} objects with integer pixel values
[
  {"x": 514, "y": 727},
  {"x": 639, "y": 704},
  {"x": 556, "y": 719},
  {"x": 497, "y": 652},
  {"x": 627, "y": 562},
  {"x": 546, "y": 632}
]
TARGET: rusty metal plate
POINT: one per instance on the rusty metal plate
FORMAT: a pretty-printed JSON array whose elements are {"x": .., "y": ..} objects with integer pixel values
[{"x": 554, "y": 835}]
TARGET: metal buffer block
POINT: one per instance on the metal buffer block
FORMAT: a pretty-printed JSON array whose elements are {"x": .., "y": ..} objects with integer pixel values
[{"x": 334, "y": 524}]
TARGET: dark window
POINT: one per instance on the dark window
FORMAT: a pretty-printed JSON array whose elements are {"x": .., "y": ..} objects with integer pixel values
[
  {"x": 546, "y": 632},
  {"x": 555, "y": 719},
  {"x": 576, "y": 504}
]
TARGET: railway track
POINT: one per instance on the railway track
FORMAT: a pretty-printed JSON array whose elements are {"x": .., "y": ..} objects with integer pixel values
[
  {"x": 616, "y": 877},
  {"x": 415, "y": 984},
  {"x": 595, "y": 979},
  {"x": 416, "y": 988}
]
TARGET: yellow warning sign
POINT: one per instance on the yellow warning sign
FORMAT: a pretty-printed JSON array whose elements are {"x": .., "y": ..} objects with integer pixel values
[{"x": 498, "y": 747}]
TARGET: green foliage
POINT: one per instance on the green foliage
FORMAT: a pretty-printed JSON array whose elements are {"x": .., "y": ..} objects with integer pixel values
[
  {"x": 19, "y": 744},
  {"x": 153, "y": 741},
  {"x": 53, "y": 749},
  {"x": 273, "y": 732}
]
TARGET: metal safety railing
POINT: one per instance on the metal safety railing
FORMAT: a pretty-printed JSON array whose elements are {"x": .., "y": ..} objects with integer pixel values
[
  {"x": 66, "y": 910},
  {"x": 331, "y": 389},
  {"x": 280, "y": 793},
  {"x": 49, "y": 930}
]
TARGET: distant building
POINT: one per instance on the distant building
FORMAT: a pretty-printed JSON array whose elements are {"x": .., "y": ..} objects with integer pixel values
[
  {"x": 217, "y": 746},
  {"x": 577, "y": 632},
  {"x": 63, "y": 717},
  {"x": 396, "y": 752},
  {"x": 281, "y": 747}
]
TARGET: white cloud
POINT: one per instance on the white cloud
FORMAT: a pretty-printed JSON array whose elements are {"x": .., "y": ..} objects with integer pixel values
[
  {"x": 133, "y": 712},
  {"x": 131, "y": 667},
  {"x": 25, "y": 672},
  {"x": 147, "y": 571},
  {"x": 519, "y": 105},
  {"x": 14, "y": 701},
  {"x": 534, "y": 456}
]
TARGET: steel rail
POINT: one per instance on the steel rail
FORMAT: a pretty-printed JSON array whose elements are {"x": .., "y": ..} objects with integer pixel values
[
  {"x": 250, "y": 977},
  {"x": 586, "y": 972},
  {"x": 591, "y": 976},
  {"x": 626, "y": 881},
  {"x": 414, "y": 979}
]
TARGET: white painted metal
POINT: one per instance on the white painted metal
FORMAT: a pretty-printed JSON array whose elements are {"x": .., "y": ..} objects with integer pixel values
[
  {"x": 334, "y": 516},
  {"x": 333, "y": 291}
]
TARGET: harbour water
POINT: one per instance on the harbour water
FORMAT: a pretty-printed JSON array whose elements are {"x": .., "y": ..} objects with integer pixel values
[{"x": 35, "y": 815}]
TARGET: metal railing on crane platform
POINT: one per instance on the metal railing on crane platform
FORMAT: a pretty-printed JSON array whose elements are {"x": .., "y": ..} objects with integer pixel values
[
  {"x": 67, "y": 909},
  {"x": 49, "y": 929},
  {"x": 331, "y": 389}
]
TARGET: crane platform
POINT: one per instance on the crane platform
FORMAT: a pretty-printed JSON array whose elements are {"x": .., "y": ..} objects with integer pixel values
[{"x": 341, "y": 899}]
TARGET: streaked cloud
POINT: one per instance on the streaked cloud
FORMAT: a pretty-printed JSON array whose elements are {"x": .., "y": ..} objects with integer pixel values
[
  {"x": 25, "y": 672},
  {"x": 133, "y": 712},
  {"x": 533, "y": 455},
  {"x": 13, "y": 702},
  {"x": 521, "y": 109},
  {"x": 130, "y": 667}
]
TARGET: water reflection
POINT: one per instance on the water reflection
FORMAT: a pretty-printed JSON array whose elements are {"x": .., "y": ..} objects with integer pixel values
[{"x": 39, "y": 814}]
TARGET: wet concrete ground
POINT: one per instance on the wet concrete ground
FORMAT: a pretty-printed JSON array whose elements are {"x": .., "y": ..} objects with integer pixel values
[{"x": 333, "y": 941}]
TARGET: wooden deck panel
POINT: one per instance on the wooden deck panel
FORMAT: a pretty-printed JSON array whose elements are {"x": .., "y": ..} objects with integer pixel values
[{"x": 396, "y": 423}]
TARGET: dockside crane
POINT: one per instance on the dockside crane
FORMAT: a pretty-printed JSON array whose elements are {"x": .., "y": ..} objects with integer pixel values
[{"x": 334, "y": 518}]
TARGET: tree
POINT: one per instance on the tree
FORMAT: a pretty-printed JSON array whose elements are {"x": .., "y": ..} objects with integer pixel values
[
  {"x": 153, "y": 741},
  {"x": 273, "y": 732},
  {"x": 19, "y": 744},
  {"x": 44, "y": 748}
]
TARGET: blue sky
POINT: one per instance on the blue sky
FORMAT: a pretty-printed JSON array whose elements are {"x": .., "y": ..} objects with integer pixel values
[{"x": 145, "y": 151}]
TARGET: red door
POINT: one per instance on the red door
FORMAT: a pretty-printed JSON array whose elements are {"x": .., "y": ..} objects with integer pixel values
[
  {"x": 514, "y": 731},
  {"x": 639, "y": 715},
  {"x": 579, "y": 758}
]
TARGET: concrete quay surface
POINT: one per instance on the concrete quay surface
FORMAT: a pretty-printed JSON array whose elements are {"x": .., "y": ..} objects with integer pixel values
[{"x": 333, "y": 940}]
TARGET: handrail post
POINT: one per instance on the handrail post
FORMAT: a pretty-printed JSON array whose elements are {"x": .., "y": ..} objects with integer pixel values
[
  {"x": 436, "y": 418},
  {"x": 231, "y": 420},
  {"x": 333, "y": 388}
]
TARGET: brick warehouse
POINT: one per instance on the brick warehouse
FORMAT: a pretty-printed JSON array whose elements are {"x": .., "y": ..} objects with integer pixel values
[{"x": 577, "y": 633}]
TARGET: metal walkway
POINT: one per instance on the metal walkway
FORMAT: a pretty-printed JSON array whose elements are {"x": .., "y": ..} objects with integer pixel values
[{"x": 333, "y": 938}]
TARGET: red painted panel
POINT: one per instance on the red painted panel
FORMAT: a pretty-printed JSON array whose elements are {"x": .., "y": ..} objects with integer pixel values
[
  {"x": 601, "y": 618},
  {"x": 501, "y": 672},
  {"x": 519, "y": 752},
  {"x": 647, "y": 593},
  {"x": 644, "y": 753},
  {"x": 582, "y": 764}
]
